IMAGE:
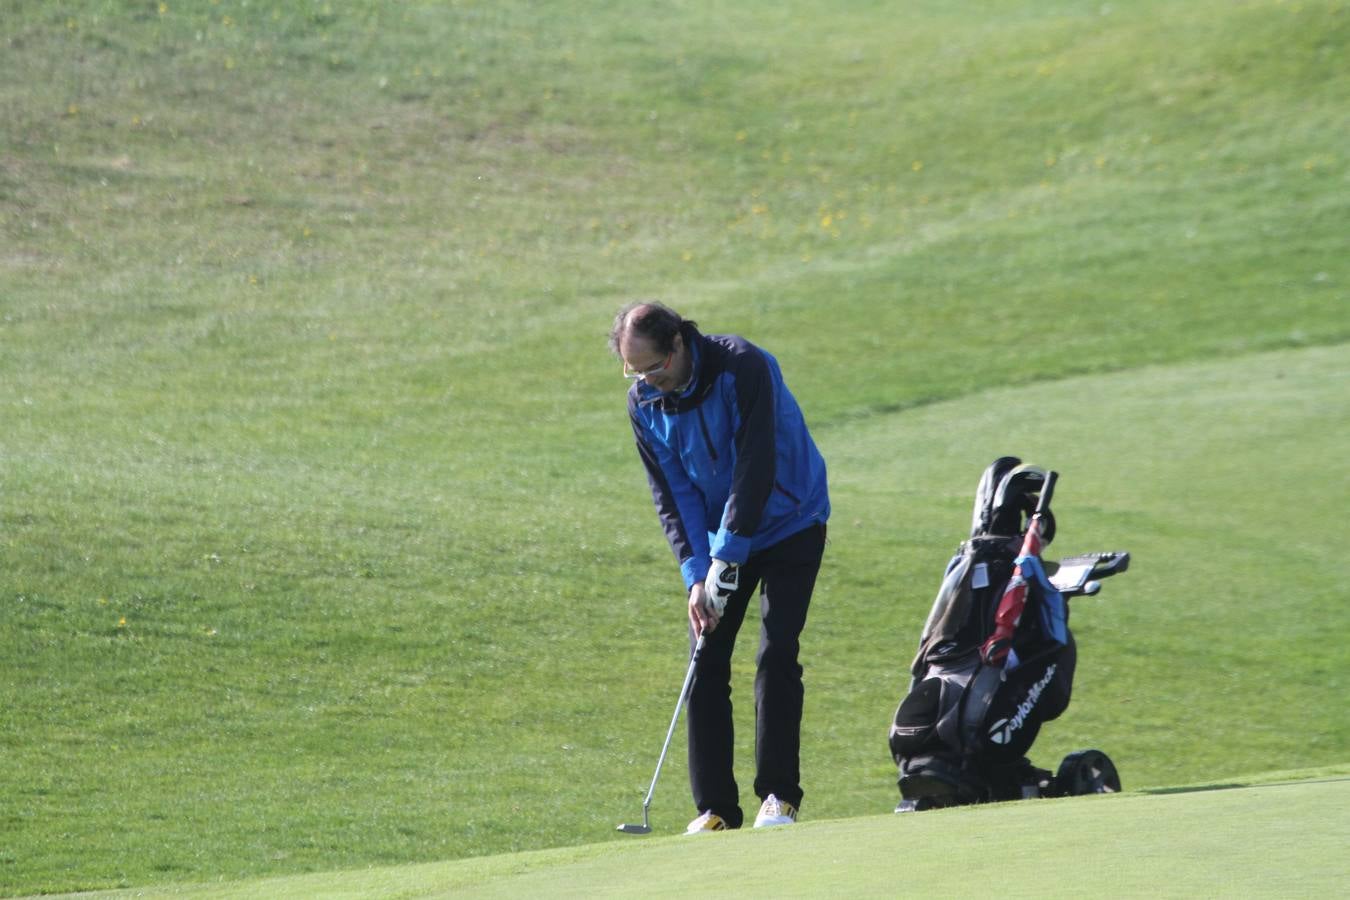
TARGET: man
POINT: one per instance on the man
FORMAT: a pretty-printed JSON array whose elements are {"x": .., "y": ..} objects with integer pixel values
[{"x": 740, "y": 490}]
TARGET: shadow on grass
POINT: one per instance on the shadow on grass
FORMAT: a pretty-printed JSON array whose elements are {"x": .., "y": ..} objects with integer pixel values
[
  {"x": 1199, "y": 788},
  {"x": 1192, "y": 789}
]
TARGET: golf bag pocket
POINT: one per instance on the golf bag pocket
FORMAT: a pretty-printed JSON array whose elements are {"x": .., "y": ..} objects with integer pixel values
[
  {"x": 914, "y": 729},
  {"x": 927, "y": 720}
]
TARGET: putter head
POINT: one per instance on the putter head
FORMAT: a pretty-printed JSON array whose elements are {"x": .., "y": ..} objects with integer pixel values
[{"x": 635, "y": 829}]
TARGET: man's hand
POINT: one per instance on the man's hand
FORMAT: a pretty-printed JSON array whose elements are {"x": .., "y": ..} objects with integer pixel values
[
  {"x": 708, "y": 599},
  {"x": 700, "y": 617},
  {"x": 722, "y": 581}
]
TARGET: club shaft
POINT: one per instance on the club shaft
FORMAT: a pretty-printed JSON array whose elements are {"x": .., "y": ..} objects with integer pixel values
[
  {"x": 1047, "y": 491},
  {"x": 679, "y": 705}
]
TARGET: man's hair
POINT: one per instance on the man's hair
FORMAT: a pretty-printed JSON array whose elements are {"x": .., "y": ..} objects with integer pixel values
[{"x": 648, "y": 319}]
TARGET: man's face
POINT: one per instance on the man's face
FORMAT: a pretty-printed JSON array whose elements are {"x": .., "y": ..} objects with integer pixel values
[{"x": 663, "y": 371}]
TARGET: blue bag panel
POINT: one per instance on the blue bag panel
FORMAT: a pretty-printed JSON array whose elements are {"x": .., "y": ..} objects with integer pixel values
[{"x": 1054, "y": 614}]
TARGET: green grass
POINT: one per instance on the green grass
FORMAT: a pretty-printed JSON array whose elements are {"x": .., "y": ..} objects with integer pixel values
[
  {"x": 322, "y": 541},
  {"x": 1187, "y": 844}
]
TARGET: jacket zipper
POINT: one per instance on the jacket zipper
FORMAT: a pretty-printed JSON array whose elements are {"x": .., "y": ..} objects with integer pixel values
[{"x": 707, "y": 438}]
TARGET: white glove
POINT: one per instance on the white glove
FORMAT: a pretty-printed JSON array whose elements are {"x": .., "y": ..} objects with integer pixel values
[{"x": 723, "y": 578}]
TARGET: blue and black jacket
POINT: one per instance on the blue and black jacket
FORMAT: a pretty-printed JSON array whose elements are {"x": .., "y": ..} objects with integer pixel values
[{"x": 732, "y": 467}]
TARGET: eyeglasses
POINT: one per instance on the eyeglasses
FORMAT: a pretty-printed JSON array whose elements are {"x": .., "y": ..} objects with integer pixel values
[{"x": 664, "y": 364}]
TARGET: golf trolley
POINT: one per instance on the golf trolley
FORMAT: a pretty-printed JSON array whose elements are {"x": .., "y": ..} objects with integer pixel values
[{"x": 996, "y": 658}]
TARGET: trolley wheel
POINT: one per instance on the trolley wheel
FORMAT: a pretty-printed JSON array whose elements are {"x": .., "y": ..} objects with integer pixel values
[{"x": 1087, "y": 772}]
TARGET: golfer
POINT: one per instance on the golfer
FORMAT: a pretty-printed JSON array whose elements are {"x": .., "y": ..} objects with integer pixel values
[{"x": 740, "y": 490}]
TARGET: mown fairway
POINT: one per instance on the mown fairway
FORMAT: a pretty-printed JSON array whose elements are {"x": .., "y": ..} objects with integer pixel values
[
  {"x": 1267, "y": 839},
  {"x": 322, "y": 539}
]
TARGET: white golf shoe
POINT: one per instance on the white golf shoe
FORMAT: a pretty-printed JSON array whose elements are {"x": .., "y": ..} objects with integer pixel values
[
  {"x": 775, "y": 812},
  {"x": 709, "y": 821}
]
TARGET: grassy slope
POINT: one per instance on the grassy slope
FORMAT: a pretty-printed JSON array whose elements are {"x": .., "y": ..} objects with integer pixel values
[
  {"x": 303, "y": 318},
  {"x": 1263, "y": 840},
  {"x": 1174, "y": 653}
]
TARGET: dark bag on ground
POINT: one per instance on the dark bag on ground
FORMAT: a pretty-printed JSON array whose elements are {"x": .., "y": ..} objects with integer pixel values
[{"x": 962, "y": 732}]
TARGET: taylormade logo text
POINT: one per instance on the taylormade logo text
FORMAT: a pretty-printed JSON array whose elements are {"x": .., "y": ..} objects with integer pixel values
[{"x": 1001, "y": 732}]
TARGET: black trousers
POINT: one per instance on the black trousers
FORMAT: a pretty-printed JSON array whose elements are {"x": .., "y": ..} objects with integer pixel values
[{"x": 786, "y": 572}]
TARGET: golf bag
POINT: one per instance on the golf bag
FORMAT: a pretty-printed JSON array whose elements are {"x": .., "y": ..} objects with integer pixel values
[{"x": 996, "y": 658}]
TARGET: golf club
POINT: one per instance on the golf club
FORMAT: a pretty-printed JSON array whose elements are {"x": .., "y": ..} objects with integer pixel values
[{"x": 645, "y": 827}]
